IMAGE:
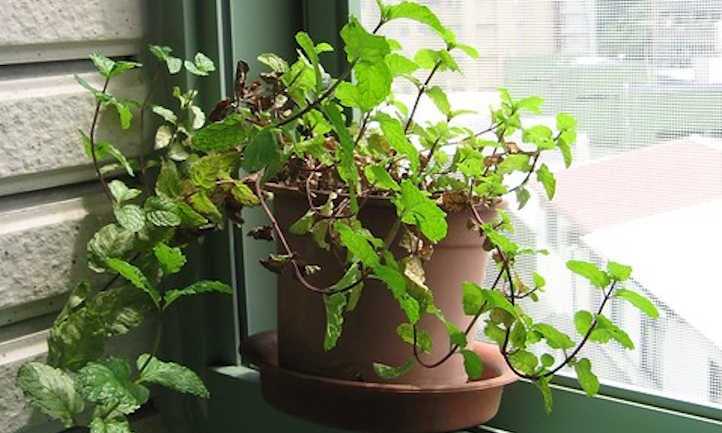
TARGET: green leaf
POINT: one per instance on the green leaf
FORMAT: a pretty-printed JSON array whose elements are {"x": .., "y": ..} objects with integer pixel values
[
  {"x": 335, "y": 305},
  {"x": 204, "y": 172},
  {"x": 171, "y": 259},
  {"x": 109, "y": 241},
  {"x": 357, "y": 244},
  {"x": 201, "y": 65},
  {"x": 413, "y": 207},
  {"x": 590, "y": 271},
  {"x": 400, "y": 65},
  {"x": 515, "y": 162},
  {"x": 161, "y": 212},
  {"x": 197, "y": 288},
  {"x": 108, "y": 383},
  {"x": 546, "y": 392},
  {"x": 582, "y": 321},
  {"x": 566, "y": 121},
  {"x": 202, "y": 203},
  {"x": 394, "y": 133},
  {"x": 587, "y": 379},
  {"x": 388, "y": 372},
  {"x": 243, "y": 194},
  {"x": 103, "y": 150},
  {"x": 219, "y": 136},
  {"x": 378, "y": 176},
  {"x": 124, "y": 112},
  {"x": 396, "y": 282},
  {"x": 606, "y": 326},
  {"x": 438, "y": 96},
  {"x": 130, "y": 217},
  {"x": 276, "y": 63},
  {"x": 113, "y": 425},
  {"x": 163, "y": 54},
  {"x": 168, "y": 183},
  {"x": 547, "y": 360},
  {"x": 522, "y": 197},
  {"x": 51, "y": 390},
  {"x": 103, "y": 64},
  {"x": 168, "y": 115},
  {"x": 373, "y": 84},
  {"x": 360, "y": 44},
  {"x": 171, "y": 375},
  {"x": 305, "y": 42},
  {"x": 495, "y": 333},
  {"x": 163, "y": 137},
  {"x": 641, "y": 302},
  {"x": 135, "y": 276},
  {"x": 565, "y": 146},
  {"x": 618, "y": 271},
  {"x": 423, "y": 339},
  {"x": 347, "y": 166},
  {"x": 473, "y": 298},
  {"x": 303, "y": 225},
  {"x": 421, "y": 14},
  {"x": 121, "y": 192},
  {"x": 555, "y": 338},
  {"x": 261, "y": 152},
  {"x": 539, "y": 281},
  {"x": 472, "y": 364},
  {"x": 532, "y": 104},
  {"x": 468, "y": 50},
  {"x": 518, "y": 335},
  {"x": 539, "y": 135},
  {"x": 546, "y": 177},
  {"x": 524, "y": 361}
]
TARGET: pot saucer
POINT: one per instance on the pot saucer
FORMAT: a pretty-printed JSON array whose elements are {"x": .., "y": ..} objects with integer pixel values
[{"x": 379, "y": 407}]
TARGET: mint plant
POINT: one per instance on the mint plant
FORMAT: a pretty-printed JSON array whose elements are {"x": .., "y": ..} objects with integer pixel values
[{"x": 342, "y": 141}]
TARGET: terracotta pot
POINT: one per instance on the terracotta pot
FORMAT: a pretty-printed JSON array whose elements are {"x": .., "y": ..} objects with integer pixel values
[{"x": 369, "y": 332}]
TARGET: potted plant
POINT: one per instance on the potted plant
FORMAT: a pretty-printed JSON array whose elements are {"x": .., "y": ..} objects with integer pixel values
[{"x": 383, "y": 226}]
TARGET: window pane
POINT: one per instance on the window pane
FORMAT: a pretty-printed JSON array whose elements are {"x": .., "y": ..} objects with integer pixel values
[{"x": 644, "y": 78}]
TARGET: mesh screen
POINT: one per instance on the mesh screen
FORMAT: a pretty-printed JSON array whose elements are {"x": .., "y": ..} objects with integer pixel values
[{"x": 644, "y": 78}]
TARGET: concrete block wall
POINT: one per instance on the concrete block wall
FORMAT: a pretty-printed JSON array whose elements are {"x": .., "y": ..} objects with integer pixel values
[{"x": 49, "y": 202}]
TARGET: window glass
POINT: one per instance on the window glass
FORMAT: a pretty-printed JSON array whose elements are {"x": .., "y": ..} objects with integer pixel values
[{"x": 644, "y": 78}]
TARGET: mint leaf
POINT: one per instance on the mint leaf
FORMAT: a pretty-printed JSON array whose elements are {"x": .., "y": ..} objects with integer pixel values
[
  {"x": 130, "y": 217},
  {"x": 373, "y": 84},
  {"x": 261, "y": 152},
  {"x": 303, "y": 225},
  {"x": 587, "y": 379},
  {"x": 606, "y": 326},
  {"x": 163, "y": 54},
  {"x": 358, "y": 245},
  {"x": 171, "y": 259},
  {"x": 590, "y": 271},
  {"x": 347, "y": 166},
  {"x": 334, "y": 305},
  {"x": 109, "y": 241},
  {"x": 641, "y": 302},
  {"x": 472, "y": 364},
  {"x": 400, "y": 65},
  {"x": 200, "y": 66},
  {"x": 473, "y": 298},
  {"x": 388, "y": 372},
  {"x": 539, "y": 135},
  {"x": 276, "y": 63},
  {"x": 112, "y": 425},
  {"x": 135, "y": 276},
  {"x": 414, "y": 207},
  {"x": 555, "y": 338},
  {"x": 51, "y": 390},
  {"x": 219, "y": 136},
  {"x": 305, "y": 42},
  {"x": 380, "y": 178},
  {"x": 515, "y": 162},
  {"x": 438, "y": 96},
  {"x": 199, "y": 287},
  {"x": 546, "y": 392},
  {"x": 566, "y": 121},
  {"x": 161, "y": 212},
  {"x": 618, "y": 271},
  {"x": 546, "y": 178},
  {"x": 360, "y": 44},
  {"x": 171, "y": 375},
  {"x": 421, "y": 14},
  {"x": 394, "y": 133},
  {"x": 423, "y": 339},
  {"x": 108, "y": 383},
  {"x": 531, "y": 103},
  {"x": 524, "y": 361},
  {"x": 121, "y": 192},
  {"x": 168, "y": 115},
  {"x": 582, "y": 321}
]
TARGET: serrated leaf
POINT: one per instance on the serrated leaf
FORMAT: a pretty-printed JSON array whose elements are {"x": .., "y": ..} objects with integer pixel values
[
  {"x": 335, "y": 305},
  {"x": 201, "y": 65},
  {"x": 400, "y": 65},
  {"x": 546, "y": 392},
  {"x": 394, "y": 133},
  {"x": 108, "y": 382},
  {"x": 168, "y": 183},
  {"x": 162, "y": 212},
  {"x": 109, "y": 241},
  {"x": 171, "y": 259},
  {"x": 203, "y": 204},
  {"x": 472, "y": 364},
  {"x": 413, "y": 207},
  {"x": 522, "y": 197},
  {"x": 261, "y": 152},
  {"x": 276, "y": 63},
  {"x": 204, "y": 172},
  {"x": 606, "y": 326},
  {"x": 360, "y": 44},
  {"x": 357, "y": 244},
  {"x": 588, "y": 380},
  {"x": 103, "y": 150},
  {"x": 243, "y": 194},
  {"x": 515, "y": 162},
  {"x": 421, "y": 14},
  {"x": 495, "y": 333},
  {"x": 566, "y": 121},
  {"x": 171, "y": 375},
  {"x": 378, "y": 176},
  {"x": 524, "y": 361},
  {"x": 546, "y": 178},
  {"x": 618, "y": 271},
  {"x": 130, "y": 217},
  {"x": 468, "y": 50},
  {"x": 220, "y": 136},
  {"x": 113, "y": 425},
  {"x": 590, "y": 271},
  {"x": 554, "y": 337},
  {"x": 547, "y": 360},
  {"x": 168, "y": 115},
  {"x": 473, "y": 299},
  {"x": 423, "y": 339},
  {"x": 389, "y": 372},
  {"x": 303, "y": 225},
  {"x": 438, "y": 96},
  {"x": 197, "y": 288},
  {"x": 539, "y": 135},
  {"x": 51, "y": 390},
  {"x": 121, "y": 192},
  {"x": 163, "y": 54},
  {"x": 641, "y": 302},
  {"x": 135, "y": 276}
]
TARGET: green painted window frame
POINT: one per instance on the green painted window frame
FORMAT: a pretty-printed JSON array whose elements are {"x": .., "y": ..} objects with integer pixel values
[{"x": 221, "y": 28}]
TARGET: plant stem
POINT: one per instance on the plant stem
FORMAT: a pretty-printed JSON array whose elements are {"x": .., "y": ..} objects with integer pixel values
[
  {"x": 141, "y": 137},
  {"x": 93, "y": 151},
  {"x": 422, "y": 90}
]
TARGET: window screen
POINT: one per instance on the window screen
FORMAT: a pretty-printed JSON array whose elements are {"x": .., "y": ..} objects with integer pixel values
[{"x": 644, "y": 78}]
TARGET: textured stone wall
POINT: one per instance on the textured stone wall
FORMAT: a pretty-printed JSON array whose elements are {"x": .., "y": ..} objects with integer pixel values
[{"x": 49, "y": 204}]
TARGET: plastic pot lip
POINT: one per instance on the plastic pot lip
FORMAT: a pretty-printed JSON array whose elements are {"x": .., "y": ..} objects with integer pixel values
[{"x": 373, "y": 200}]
